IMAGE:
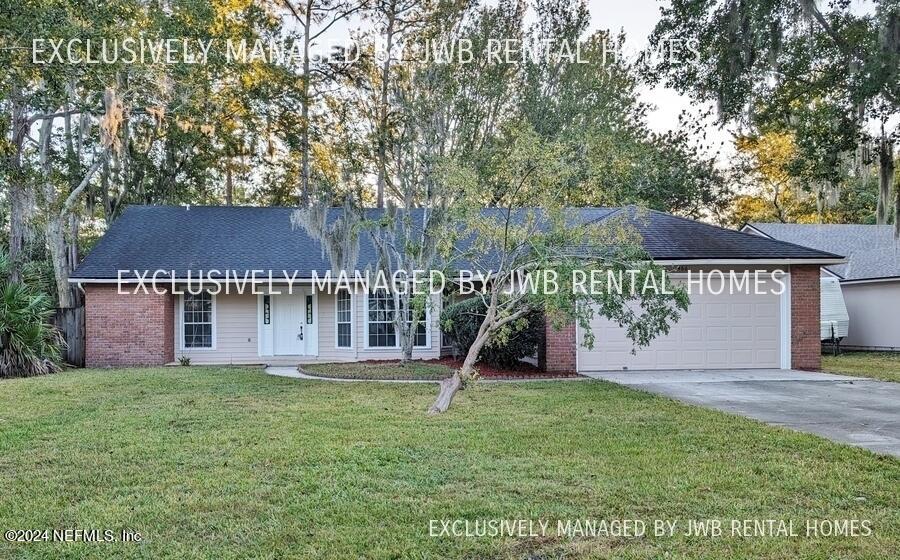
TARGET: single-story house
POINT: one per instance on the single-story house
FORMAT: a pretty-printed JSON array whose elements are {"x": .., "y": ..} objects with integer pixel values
[
  {"x": 720, "y": 330},
  {"x": 869, "y": 279}
]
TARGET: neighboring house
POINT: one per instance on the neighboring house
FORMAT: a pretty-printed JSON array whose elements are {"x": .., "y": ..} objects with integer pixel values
[
  {"x": 722, "y": 330},
  {"x": 870, "y": 278}
]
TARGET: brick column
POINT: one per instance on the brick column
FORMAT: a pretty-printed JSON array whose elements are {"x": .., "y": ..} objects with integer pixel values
[
  {"x": 558, "y": 355},
  {"x": 806, "y": 347},
  {"x": 542, "y": 346},
  {"x": 128, "y": 329}
]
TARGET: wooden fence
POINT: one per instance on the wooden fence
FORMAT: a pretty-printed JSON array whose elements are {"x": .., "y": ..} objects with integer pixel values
[{"x": 70, "y": 322}]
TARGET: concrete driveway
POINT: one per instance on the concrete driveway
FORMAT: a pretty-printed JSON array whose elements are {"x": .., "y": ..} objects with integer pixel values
[{"x": 853, "y": 410}]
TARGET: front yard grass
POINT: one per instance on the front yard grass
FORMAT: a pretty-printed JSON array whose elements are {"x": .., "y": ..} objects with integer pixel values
[
  {"x": 381, "y": 370},
  {"x": 232, "y": 463},
  {"x": 878, "y": 365}
]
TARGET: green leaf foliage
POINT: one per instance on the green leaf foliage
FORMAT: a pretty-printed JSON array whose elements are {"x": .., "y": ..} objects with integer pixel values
[
  {"x": 509, "y": 344},
  {"x": 29, "y": 345}
]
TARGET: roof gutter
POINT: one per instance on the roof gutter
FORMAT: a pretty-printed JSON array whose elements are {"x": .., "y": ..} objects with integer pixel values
[
  {"x": 688, "y": 262},
  {"x": 871, "y": 280},
  {"x": 663, "y": 262},
  {"x": 196, "y": 279}
]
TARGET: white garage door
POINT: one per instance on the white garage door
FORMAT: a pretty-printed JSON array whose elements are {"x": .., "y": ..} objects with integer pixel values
[{"x": 727, "y": 330}]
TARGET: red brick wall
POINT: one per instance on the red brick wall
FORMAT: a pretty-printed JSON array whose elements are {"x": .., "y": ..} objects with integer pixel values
[
  {"x": 128, "y": 329},
  {"x": 558, "y": 355},
  {"x": 806, "y": 348}
]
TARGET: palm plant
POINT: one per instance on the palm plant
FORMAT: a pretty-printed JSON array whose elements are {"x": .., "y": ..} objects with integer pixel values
[{"x": 29, "y": 344}]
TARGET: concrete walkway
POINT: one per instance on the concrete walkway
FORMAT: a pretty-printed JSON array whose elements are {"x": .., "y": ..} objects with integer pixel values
[
  {"x": 283, "y": 371},
  {"x": 854, "y": 410}
]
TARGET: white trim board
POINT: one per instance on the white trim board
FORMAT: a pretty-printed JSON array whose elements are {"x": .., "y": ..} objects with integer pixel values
[{"x": 786, "y": 318}]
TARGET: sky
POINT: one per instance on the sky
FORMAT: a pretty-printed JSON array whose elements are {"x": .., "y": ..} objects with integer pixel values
[{"x": 636, "y": 18}]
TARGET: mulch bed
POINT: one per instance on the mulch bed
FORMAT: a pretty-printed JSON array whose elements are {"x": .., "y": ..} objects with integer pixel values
[{"x": 523, "y": 370}]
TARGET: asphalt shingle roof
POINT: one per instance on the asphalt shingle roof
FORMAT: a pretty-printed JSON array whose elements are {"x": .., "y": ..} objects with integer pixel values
[
  {"x": 871, "y": 250},
  {"x": 668, "y": 237},
  {"x": 238, "y": 238}
]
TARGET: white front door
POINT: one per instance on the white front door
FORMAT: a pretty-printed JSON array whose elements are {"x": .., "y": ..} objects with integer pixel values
[{"x": 292, "y": 328}]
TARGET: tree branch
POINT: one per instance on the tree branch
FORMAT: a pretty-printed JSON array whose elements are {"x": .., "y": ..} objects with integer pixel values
[{"x": 73, "y": 196}]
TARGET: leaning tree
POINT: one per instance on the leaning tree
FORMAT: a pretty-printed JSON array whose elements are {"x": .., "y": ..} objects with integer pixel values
[{"x": 534, "y": 247}]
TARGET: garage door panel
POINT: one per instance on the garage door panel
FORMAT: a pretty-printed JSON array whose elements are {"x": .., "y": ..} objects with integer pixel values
[
  {"x": 717, "y": 358},
  {"x": 718, "y": 331},
  {"x": 741, "y": 309},
  {"x": 741, "y": 356},
  {"x": 742, "y": 334},
  {"x": 692, "y": 334},
  {"x": 767, "y": 356},
  {"x": 693, "y": 357},
  {"x": 766, "y": 334},
  {"x": 716, "y": 310},
  {"x": 766, "y": 310},
  {"x": 666, "y": 355},
  {"x": 716, "y": 334}
]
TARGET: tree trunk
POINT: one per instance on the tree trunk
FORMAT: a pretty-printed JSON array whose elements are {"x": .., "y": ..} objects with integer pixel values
[
  {"x": 407, "y": 345},
  {"x": 304, "y": 110},
  {"x": 449, "y": 387},
  {"x": 452, "y": 384},
  {"x": 59, "y": 254},
  {"x": 60, "y": 217},
  {"x": 74, "y": 228},
  {"x": 896, "y": 207},
  {"x": 885, "y": 178},
  {"x": 406, "y": 332},
  {"x": 229, "y": 185},
  {"x": 18, "y": 197},
  {"x": 383, "y": 110},
  {"x": 18, "y": 228}
]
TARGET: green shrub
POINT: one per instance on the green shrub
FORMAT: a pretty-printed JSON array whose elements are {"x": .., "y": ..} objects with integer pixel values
[
  {"x": 519, "y": 339},
  {"x": 29, "y": 344}
]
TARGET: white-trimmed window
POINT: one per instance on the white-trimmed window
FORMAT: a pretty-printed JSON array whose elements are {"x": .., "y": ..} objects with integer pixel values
[
  {"x": 380, "y": 331},
  {"x": 344, "y": 319},
  {"x": 380, "y": 320},
  {"x": 197, "y": 321},
  {"x": 420, "y": 340}
]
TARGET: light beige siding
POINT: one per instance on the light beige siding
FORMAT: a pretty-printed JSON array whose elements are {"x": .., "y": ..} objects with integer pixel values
[
  {"x": 236, "y": 334},
  {"x": 328, "y": 328},
  {"x": 874, "y": 310}
]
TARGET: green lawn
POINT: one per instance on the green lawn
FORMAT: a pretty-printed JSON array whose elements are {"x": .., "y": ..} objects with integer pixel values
[
  {"x": 380, "y": 370},
  {"x": 232, "y": 463},
  {"x": 880, "y": 365}
]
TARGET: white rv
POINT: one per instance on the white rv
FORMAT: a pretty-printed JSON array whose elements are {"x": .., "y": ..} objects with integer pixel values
[{"x": 834, "y": 318}]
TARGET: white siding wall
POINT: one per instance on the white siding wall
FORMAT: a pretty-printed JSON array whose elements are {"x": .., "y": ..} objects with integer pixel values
[
  {"x": 236, "y": 334},
  {"x": 874, "y": 311}
]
